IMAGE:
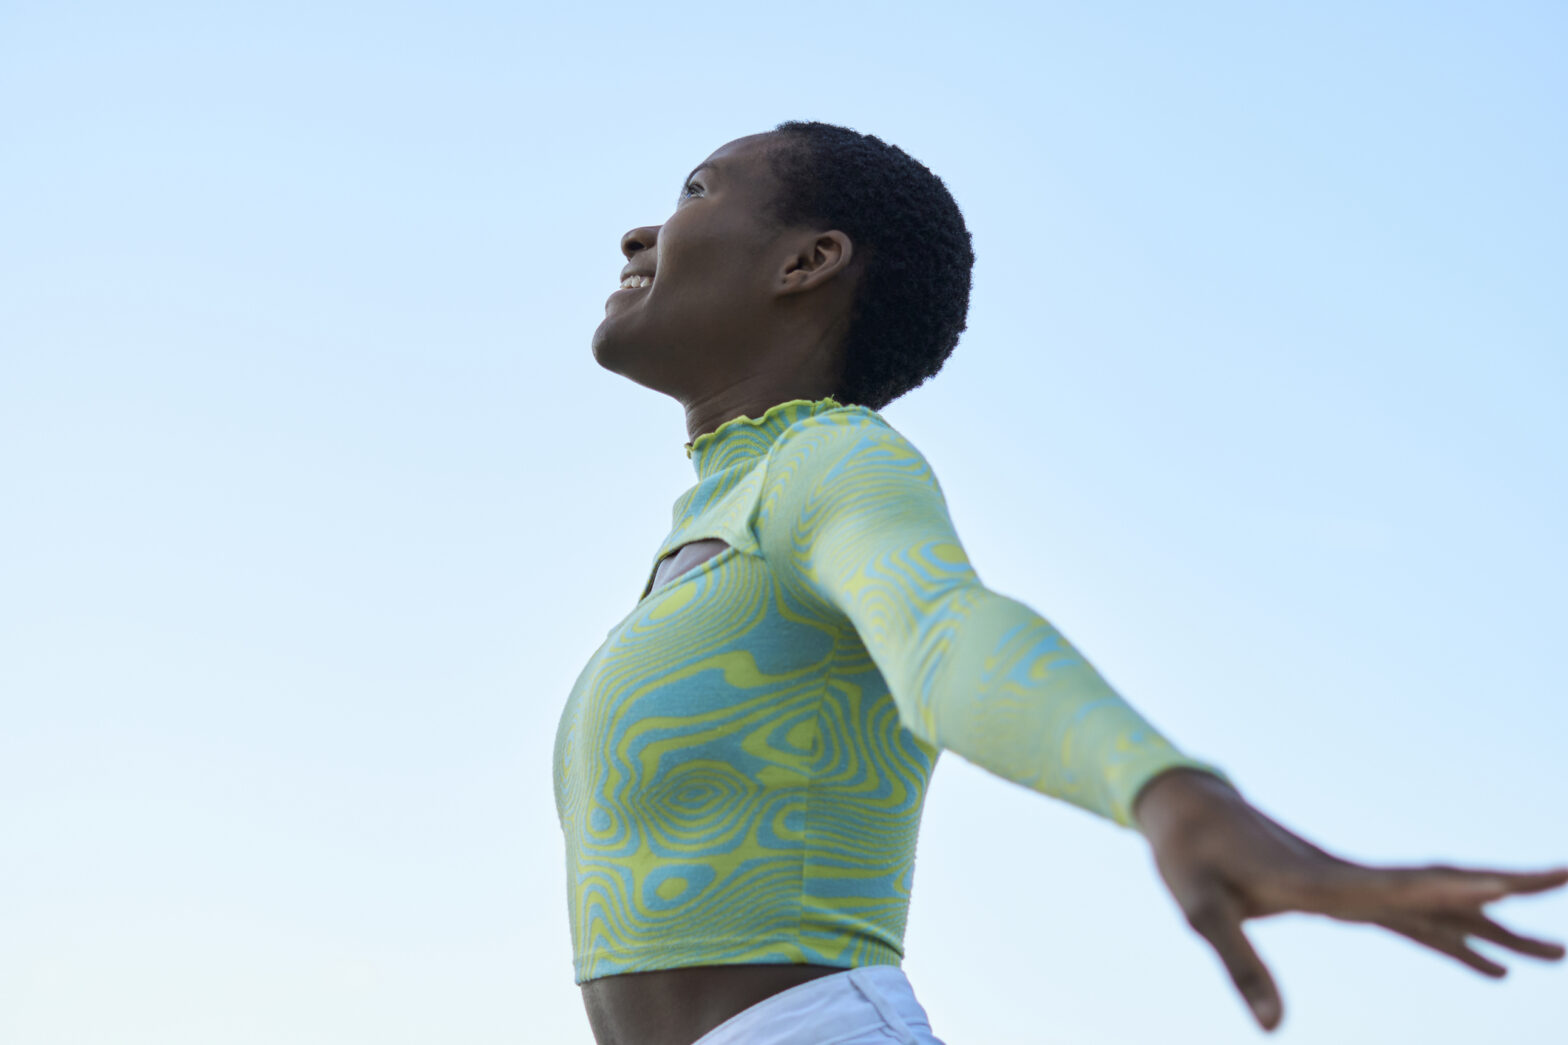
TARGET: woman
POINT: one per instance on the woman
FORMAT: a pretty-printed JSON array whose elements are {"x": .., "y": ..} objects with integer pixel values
[{"x": 741, "y": 765}]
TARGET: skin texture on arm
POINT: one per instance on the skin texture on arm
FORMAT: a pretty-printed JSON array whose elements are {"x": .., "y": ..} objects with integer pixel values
[{"x": 853, "y": 518}]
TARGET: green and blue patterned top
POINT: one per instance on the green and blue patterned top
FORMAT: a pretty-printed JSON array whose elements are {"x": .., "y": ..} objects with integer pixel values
[{"x": 740, "y": 767}]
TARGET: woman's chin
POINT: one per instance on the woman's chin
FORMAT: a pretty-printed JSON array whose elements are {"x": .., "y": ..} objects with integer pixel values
[
  {"x": 604, "y": 341},
  {"x": 612, "y": 349}
]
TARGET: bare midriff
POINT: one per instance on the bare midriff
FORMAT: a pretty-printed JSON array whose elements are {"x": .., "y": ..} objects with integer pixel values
[{"x": 679, "y": 1006}]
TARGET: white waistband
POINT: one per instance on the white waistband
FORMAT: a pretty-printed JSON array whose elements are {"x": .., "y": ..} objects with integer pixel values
[{"x": 872, "y": 1000}]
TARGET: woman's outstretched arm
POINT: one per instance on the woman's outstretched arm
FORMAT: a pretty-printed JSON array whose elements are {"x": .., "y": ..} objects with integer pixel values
[{"x": 853, "y": 518}]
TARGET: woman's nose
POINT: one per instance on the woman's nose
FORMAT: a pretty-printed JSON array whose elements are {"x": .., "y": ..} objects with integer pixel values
[{"x": 639, "y": 239}]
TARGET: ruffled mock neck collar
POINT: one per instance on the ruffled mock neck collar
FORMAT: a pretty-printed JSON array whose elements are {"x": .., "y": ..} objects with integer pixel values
[{"x": 742, "y": 438}]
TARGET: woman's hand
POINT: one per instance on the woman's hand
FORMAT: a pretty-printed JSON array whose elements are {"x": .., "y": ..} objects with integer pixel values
[{"x": 1224, "y": 862}]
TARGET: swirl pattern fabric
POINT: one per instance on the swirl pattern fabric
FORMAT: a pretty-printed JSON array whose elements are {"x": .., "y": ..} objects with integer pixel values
[{"x": 740, "y": 767}]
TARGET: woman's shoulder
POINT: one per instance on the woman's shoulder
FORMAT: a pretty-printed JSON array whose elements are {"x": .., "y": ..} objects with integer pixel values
[
  {"x": 848, "y": 441},
  {"x": 845, "y": 475},
  {"x": 839, "y": 430}
]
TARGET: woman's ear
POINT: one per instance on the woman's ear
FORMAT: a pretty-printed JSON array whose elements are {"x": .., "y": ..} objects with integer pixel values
[{"x": 820, "y": 259}]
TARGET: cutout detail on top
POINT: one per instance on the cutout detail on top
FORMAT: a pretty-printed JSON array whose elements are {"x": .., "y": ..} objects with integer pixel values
[{"x": 677, "y": 562}]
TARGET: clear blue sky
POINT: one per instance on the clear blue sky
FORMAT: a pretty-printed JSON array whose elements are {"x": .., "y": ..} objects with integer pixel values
[{"x": 313, "y": 500}]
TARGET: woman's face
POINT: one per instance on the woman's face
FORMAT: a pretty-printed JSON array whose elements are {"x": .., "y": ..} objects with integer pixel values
[{"x": 696, "y": 290}]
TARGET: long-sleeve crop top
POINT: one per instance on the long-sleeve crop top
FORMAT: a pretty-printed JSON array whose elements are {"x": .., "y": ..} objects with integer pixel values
[{"x": 741, "y": 765}]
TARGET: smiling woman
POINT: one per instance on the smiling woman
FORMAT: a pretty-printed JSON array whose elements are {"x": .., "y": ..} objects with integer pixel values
[
  {"x": 741, "y": 766},
  {"x": 685, "y": 319}
]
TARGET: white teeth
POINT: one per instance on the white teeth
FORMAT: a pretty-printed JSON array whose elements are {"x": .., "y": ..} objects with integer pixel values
[{"x": 634, "y": 282}]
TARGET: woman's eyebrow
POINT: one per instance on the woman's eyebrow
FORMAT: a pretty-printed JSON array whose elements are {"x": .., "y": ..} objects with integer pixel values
[{"x": 704, "y": 166}]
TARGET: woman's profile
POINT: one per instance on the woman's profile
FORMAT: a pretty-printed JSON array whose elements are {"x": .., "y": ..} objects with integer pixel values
[{"x": 740, "y": 767}]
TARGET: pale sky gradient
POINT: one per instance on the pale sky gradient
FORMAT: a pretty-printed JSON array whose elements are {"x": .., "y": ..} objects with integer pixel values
[{"x": 313, "y": 501}]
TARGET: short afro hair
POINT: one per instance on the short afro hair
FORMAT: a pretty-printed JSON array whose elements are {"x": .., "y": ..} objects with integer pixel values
[{"x": 913, "y": 298}]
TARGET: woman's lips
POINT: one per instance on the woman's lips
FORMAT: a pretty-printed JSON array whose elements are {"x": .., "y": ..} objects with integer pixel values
[{"x": 619, "y": 291}]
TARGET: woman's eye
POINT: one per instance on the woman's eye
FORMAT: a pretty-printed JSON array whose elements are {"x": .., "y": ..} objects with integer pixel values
[{"x": 691, "y": 188}]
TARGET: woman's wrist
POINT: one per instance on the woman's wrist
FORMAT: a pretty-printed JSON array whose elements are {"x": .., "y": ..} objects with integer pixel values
[{"x": 1178, "y": 798}]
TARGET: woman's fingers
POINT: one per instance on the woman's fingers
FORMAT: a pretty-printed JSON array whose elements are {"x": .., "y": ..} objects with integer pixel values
[
  {"x": 1456, "y": 947},
  {"x": 1217, "y": 918},
  {"x": 1533, "y": 881},
  {"x": 1482, "y": 926},
  {"x": 1496, "y": 884},
  {"x": 1365, "y": 893},
  {"x": 1450, "y": 942}
]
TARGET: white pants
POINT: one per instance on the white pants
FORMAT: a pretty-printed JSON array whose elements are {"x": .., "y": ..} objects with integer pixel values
[{"x": 872, "y": 1005}]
